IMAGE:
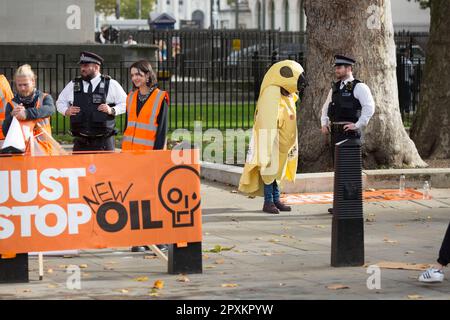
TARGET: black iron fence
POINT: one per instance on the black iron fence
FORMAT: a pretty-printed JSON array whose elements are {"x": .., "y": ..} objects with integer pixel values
[{"x": 213, "y": 76}]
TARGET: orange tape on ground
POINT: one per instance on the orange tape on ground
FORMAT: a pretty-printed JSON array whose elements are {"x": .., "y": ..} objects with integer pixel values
[
  {"x": 97, "y": 201},
  {"x": 369, "y": 196}
]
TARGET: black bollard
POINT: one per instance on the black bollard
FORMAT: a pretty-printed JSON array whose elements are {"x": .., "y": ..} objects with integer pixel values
[
  {"x": 186, "y": 260},
  {"x": 347, "y": 235},
  {"x": 14, "y": 270}
]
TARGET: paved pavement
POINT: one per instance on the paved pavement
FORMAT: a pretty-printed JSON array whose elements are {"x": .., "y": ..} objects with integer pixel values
[{"x": 272, "y": 257}]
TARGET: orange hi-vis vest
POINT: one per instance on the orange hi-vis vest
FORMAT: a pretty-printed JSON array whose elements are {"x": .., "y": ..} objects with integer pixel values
[
  {"x": 141, "y": 130},
  {"x": 44, "y": 123},
  {"x": 5, "y": 97}
]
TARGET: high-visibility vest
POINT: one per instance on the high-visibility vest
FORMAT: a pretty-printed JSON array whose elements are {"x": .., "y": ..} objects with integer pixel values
[
  {"x": 5, "y": 97},
  {"x": 44, "y": 123},
  {"x": 39, "y": 125},
  {"x": 141, "y": 130}
]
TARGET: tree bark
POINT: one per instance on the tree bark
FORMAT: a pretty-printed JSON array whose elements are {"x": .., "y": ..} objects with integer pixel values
[
  {"x": 351, "y": 28},
  {"x": 430, "y": 130}
]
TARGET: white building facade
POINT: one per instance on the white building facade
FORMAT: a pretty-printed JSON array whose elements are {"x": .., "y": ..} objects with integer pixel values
[{"x": 284, "y": 15}]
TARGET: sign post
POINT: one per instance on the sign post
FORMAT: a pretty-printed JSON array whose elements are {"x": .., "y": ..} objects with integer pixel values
[{"x": 347, "y": 238}]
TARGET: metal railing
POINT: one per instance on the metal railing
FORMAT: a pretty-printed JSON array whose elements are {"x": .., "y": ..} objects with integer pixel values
[{"x": 214, "y": 76}]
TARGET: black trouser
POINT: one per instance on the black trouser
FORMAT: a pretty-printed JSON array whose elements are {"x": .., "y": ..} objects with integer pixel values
[
  {"x": 338, "y": 134},
  {"x": 94, "y": 144},
  {"x": 444, "y": 253}
]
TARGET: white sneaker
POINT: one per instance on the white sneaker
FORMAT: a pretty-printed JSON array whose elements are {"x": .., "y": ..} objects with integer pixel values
[{"x": 432, "y": 275}]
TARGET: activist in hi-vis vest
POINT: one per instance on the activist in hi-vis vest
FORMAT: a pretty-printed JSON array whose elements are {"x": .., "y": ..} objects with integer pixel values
[
  {"x": 273, "y": 149},
  {"x": 32, "y": 108},
  {"x": 6, "y": 95},
  {"x": 147, "y": 108},
  {"x": 92, "y": 101}
]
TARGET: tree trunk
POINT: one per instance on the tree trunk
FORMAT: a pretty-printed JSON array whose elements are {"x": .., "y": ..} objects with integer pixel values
[
  {"x": 362, "y": 29},
  {"x": 431, "y": 126}
]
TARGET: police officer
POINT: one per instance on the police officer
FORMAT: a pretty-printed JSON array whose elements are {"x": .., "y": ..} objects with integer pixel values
[
  {"x": 349, "y": 105},
  {"x": 92, "y": 101}
]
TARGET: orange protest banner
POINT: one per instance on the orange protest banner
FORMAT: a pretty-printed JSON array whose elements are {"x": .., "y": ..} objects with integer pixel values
[{"x": 97, "y": 201}]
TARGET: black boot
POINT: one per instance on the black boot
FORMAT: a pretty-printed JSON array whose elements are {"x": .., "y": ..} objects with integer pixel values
[
  {"x": 269, "y": 207},
  {"x": 330, "y": 210},
  {"x": 282, "y": 207}
]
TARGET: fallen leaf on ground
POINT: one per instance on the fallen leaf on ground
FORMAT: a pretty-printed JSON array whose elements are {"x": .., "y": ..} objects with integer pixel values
[
  {"x": 154, "y": 293},
  {"x": 319, "y": 226},
  {"x": 26, "y": 290},
  {"x": 50, "y": 271},
  {"x": 229, "y": 285},
  {"x": 218, "y": 248},
  {"x": 124, "y": 291},
  {"x": 150, "y": 257},
  {"x": 251, "y": 197},
  {"x": 370, "y": 220},
  {"x": 219, "y": 261},
  {"x": 386, "y": 240},
  {"x": 274, "y": 240},
  {"x": 267, "y": 254},
  {"x": 337, "y": 287},
  {"x": 414, "y": 297},
  {"x": 402, "y": 265},
  {"x": 183, "y": 279},
  {"x": 51, "y": 286},
  {"x": 210, "y": 267},
  {"x": 83, "y": 266},
  {"x": 159, "y": 284},
  {"x": 409, "y": 252},
  {"x": 141, "y": 279}
]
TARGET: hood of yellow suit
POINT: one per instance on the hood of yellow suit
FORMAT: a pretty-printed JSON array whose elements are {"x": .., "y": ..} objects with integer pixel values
[{"x": 284, "y": 74}]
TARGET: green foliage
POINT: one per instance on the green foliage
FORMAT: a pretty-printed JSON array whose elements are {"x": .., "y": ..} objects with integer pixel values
[
  {"x": 423, "y": 3},
  {"x": 128, "y": 8}
]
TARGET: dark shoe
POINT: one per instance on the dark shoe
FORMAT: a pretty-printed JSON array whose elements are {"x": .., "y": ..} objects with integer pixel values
[
  {"x": 330, "y": 211},
  {"x": 269, "y": 207},
  {"x": 138, "y": 249},
  {"x": 282, "y": 207}
]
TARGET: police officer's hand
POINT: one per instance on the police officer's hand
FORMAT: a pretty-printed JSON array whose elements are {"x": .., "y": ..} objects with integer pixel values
[
  {"x": 350, "y": 126},
  {"x": 325, "y": 130},
  {"x": 72, "y": 110},
  {"x": 104, "y": 108}
]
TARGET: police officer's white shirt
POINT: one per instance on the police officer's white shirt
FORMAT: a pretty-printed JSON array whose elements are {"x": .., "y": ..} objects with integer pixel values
[
  {"x": 116, "y": 95},
  {"x": 363, "y": 94}
]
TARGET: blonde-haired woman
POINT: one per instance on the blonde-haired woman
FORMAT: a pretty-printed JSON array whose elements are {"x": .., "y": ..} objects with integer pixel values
[{"x": 29, "y": 103}]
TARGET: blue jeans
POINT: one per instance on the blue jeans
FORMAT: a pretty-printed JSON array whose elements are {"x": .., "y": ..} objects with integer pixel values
[{"x": 271, "y": 192}]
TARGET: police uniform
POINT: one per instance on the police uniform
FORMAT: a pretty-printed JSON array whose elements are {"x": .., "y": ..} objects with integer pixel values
[
  {"x": 348, "y": 101},
  {"x": 93, "y": 130}
]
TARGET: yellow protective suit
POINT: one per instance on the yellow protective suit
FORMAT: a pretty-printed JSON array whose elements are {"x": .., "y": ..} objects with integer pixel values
[{"x": 273, "y": 150}]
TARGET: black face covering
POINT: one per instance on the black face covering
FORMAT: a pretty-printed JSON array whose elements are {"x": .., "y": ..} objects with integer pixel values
[
  {"x": 302, "y": 83},
  {"x": 27, "y": 100}
]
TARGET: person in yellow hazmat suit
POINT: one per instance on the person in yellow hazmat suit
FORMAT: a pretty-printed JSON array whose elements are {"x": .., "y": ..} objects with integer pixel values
[
  {"x": 273, "y": 149},
  {"x": 32, "y": 108},
  {"x": 6, "y": 95}
]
